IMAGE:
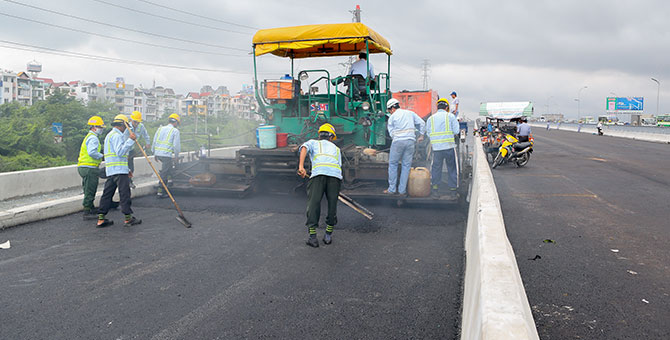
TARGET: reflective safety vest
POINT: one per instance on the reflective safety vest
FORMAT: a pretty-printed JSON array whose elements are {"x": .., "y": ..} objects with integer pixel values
[
  {"x": 84, "y": 158},
  {"x": 440, "y": 136},
  {"x": 162, "y": 144},
  {"x": 327, "y": 157},
  {"x": 111, "y": 158}
]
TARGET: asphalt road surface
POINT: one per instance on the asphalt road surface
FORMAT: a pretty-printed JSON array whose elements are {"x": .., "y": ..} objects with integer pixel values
[
  {"x": 605, "y": 202},
  {"x": 242, "y": 271}
]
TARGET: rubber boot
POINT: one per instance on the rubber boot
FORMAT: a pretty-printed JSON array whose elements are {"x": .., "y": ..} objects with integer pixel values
[
  {"x": 327, "y": 238},
  {"x": 434, "y": 192},
  {"x": 312, "y": 241},
  {"x": 90, "y": 215},
  {"x": 103, "y": 222},
  {"x": 131, "y": 221}
]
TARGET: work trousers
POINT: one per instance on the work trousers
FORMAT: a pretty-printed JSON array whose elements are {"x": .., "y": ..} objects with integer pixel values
[
  {"x": 316, "y": 188},
  {"x": 402, "y": 151},
  {"x": 89, "y": 182},
  {"x": 122, "y": 182},
  {"x": 451, "y": 158},
  {"x": 166, "y": 170}
]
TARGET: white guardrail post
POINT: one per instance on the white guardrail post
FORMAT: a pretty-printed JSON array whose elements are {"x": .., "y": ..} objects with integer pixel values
[{"x": 495, "y": 306}]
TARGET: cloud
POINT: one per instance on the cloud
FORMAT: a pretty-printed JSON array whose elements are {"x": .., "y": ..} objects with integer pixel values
[{"x": 485, "y": 50}]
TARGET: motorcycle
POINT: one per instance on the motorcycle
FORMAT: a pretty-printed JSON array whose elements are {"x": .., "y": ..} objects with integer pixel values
[{"x": 512, "y": 151}]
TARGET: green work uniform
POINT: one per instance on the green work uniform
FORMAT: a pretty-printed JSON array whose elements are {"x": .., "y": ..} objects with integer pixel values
[{"x": 87, "y": 166}]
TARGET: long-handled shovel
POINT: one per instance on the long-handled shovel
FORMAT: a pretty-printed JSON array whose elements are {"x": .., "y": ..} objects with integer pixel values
[
  {"x": 181, "y": 218},
  {"x": 348, "y": 201}
]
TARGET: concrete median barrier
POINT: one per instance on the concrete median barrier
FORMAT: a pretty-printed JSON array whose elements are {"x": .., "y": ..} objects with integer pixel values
[
  {"x": 38, "y": 181},
  {"x": 19, "y": 184},
  {"x": 495, "y": 305},
  {"x": 642, "y": 133}
]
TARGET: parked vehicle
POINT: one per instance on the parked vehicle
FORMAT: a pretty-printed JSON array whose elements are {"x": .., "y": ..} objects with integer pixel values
[
  {"x": 511, "y": 151},
  {"x": 663, "y": 120}
]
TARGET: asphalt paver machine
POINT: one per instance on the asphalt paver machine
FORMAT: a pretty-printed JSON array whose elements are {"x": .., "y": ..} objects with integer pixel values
[{"x": 297, "y": 104}]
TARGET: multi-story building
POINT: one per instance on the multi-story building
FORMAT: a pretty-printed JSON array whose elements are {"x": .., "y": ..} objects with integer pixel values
[
  {"x": 7, "y": 86},
  {"x": 29, "y": 89}
]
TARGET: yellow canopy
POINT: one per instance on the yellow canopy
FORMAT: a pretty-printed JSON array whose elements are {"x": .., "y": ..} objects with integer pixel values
[{"x": 319, "y": 40}]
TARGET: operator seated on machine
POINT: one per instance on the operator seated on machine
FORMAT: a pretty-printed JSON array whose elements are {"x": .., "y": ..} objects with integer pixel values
[{"x": 357, "y": 75}]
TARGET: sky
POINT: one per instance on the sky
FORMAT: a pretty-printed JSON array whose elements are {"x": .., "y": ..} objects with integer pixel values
[{"x": 540, "y": 51}]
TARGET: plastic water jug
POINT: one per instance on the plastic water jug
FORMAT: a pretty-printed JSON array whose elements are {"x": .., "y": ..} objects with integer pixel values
[{"x": 419, "y": 182}]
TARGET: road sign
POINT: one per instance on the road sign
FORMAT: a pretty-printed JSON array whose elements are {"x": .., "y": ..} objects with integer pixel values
[
  {"x": 625, "y": 104},
  {"x": 57, "y": 129}
]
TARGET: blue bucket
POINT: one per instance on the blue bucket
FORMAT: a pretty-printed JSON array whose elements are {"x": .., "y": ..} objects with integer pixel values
[{"x": 267, "y": 137}]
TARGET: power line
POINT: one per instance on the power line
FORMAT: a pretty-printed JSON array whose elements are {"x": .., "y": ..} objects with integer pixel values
[
  {"x": 125, "y": 28},
  {"x": 117, "y": 38},
  {"x": 197, "y": 15},
  {"x": 33, "y": 48},
  {"x": 169, "y": 18}
]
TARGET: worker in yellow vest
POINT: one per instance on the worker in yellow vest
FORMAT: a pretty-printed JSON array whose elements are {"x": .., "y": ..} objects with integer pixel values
[
  {"x": 88, "y": 163},
  {"x": 326, "y": 178}
]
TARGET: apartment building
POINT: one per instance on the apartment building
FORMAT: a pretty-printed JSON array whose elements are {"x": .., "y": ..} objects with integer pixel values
[{"x": 7, "y": 86}]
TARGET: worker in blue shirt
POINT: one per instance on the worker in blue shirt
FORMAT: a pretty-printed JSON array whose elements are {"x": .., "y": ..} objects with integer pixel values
[
  {"x": 166, "y": 148},
  {"x": 442, "y": 129},
  {"x": 118, "y": 174},
  {"x": 88, "y": 162},
  {"x": 402, "y": 126},
  {"x": 523, "y": 130},
  {"x": 140, "y": 131},
  {"x": 326, "y": 178}
]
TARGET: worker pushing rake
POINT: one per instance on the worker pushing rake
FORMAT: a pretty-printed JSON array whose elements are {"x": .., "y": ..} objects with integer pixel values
[{"x": 326, "y": 178}]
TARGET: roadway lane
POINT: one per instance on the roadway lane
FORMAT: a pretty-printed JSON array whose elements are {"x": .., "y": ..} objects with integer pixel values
[
  {"x": 605, "y": 203},
  {"x": 242, "y": 271}
]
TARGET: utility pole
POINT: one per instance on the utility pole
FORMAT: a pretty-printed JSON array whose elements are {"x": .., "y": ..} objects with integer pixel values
[
  {"x": 356, "y": 18},
  {"x": 658, "y": 94},
  {"x": 579, "y": 102},
  {"x": 425, "y": 73}
]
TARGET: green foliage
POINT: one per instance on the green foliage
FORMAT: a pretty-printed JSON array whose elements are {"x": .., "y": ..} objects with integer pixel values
[{"x": 27, "y": 142}]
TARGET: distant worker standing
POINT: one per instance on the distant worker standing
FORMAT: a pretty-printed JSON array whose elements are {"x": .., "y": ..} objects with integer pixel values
[
  {"x": 89, "y": 160},
  {"x": 442, "y": 129},
  {"x": 523, "y": 130},
  {"x": 402, "y": 126},
  {"x": 140, "y": 131},
  {"x": 454, "y": 103},
  {"x": 166, "y": 147},
  {"x": 326, "y": 178},
  {"x": 118, "y": 174}
]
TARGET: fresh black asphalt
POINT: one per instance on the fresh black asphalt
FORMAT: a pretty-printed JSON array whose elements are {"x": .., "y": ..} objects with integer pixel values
[
  {"x": 242, "y": 271},
  {"x": 605, "y": 202}
]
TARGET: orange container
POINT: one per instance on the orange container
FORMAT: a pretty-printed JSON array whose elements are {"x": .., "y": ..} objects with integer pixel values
[
  {"x": 279, "y": 89},
  {"x": 424, "y": 103}
]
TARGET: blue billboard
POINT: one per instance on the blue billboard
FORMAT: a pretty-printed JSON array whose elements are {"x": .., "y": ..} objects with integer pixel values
[{"x": 629, "y": 103}]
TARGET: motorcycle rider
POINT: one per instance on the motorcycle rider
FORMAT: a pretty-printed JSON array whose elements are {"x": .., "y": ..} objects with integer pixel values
[{"x": 523, "y": 130}]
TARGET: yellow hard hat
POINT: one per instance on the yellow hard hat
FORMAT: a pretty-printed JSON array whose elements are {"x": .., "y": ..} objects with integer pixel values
[
  {"x": 136, "y": 116},
  {"x": 444, "y": 100},
  {"x": 120, "y": 119},
  {"x": 96, "y": 121},
  {"x": 175, "y": 117},
  {"x": 328, "y": 128}
]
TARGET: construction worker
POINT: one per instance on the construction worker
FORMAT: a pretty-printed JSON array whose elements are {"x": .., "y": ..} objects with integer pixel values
[
  {"x": 89, "y": 160},
  {"x": 140, "y": 131},
  {"x": 442, "y": 129},
  {"x": 455, "y": 102},
  {"x": 360, "y": 65},
  {"x": 402, "y": 126},
  {"x": 118, "y": 174},
  {"x": 326, "y": 178},
  {"x": 166, "y": 147}
]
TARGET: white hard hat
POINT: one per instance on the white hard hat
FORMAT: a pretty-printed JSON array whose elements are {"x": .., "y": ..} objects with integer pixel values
[{"x": 391, "y": 102}]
